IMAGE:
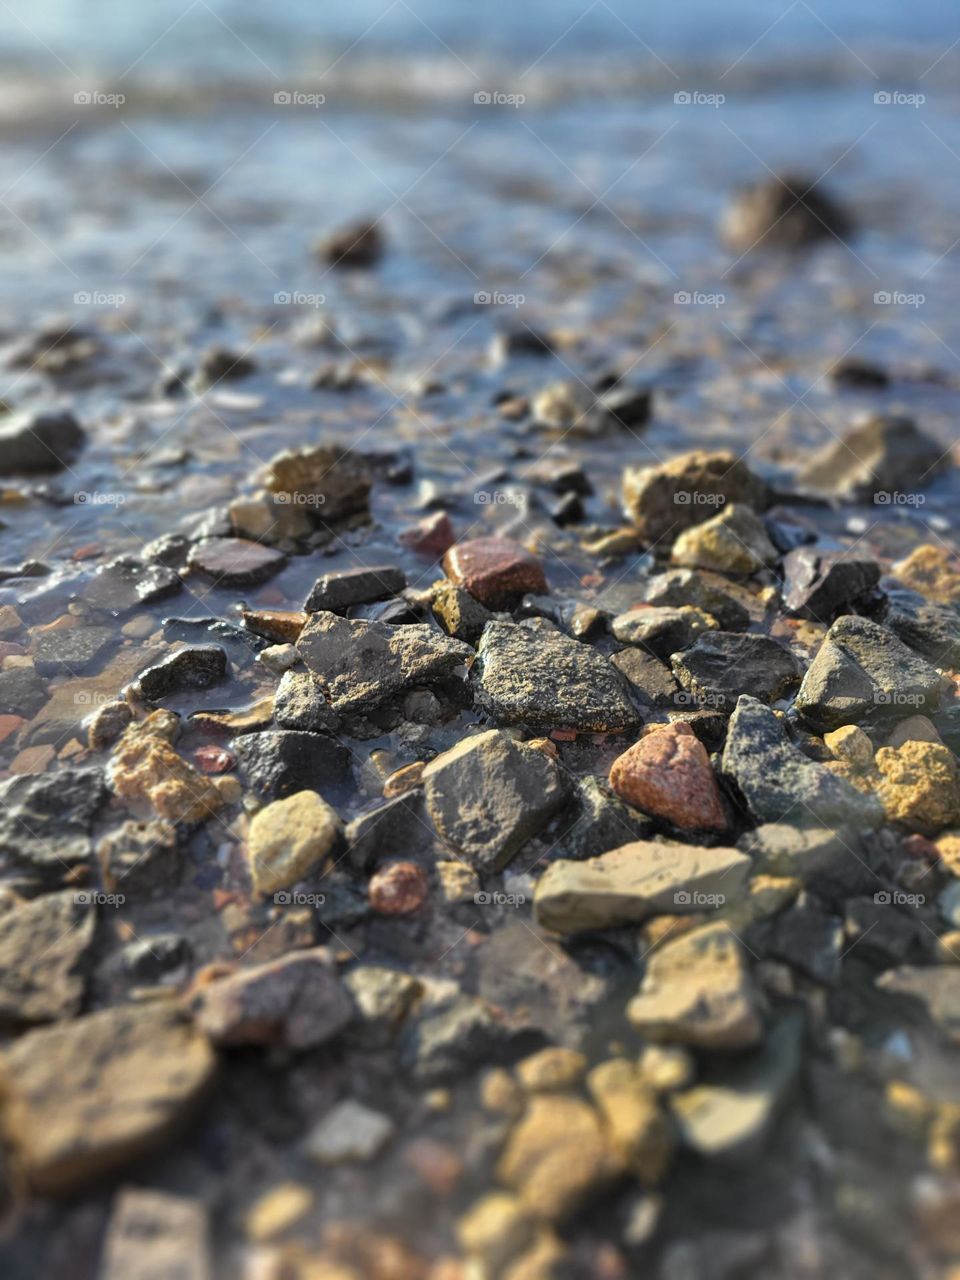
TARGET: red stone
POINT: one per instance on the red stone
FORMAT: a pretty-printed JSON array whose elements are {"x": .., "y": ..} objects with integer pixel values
[
  {"x": 398, "y": 888},
  {"x": 668, "y": 775},
  {"x": 8, "y": 725},
  {"x": 431, "y": 536},
  {"x": 495, "y": 571},
  {"x": 212, "y": 759}
]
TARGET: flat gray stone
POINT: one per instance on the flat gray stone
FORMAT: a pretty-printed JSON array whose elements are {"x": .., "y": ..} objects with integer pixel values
[
  {"x": 722, "y": 665},
  {"x": 336, "y": 592},
  {"x": 70, "y": 650},
  {"x": 43, "y": 944}
]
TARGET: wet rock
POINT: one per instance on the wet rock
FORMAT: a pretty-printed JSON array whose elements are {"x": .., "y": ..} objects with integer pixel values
[
  {"x": 649, "y": 679},
  {"x": 383, "y": 998},
  {"x": 534, "y": 675},
  {"x": 819, "y": 585},
  {"x": 39, "y": 442},
  {"x": 280, "y": 626},
  {"x": 153, "y": 1234},
  {"x": 261, "y": 518},
  {"x": 457, "y": 612},
  {"x": 733, "y": 541},
  {"x": 857, "y": 374},
  {"x": 337, "y": 592},
  {"x": 930, "y": 629},
  {"x": 218, "y": 364},
  {"x": 394, "y": 829},
  {"x": 359, "y": 244},
  {"x": 398, "y": 889},
  {"x": 878, "y": 930},
  {"x": 297, "y": 1002},
  {"x": 495, "y": 571},
  {"x": 863, "y": 674},
  {"x": 663, "y": 500},
  {"x": 126, "y": 582},
  {"x": 667, "y": 773},
  {"x": 489, "y": 795},
  {"x": 565, "y": 406},
  {"x": 809, "y": 939},
  {"x": 686, "y": 586},
  {"x": 697, "y": 991},
  {"x": 46, "y": 819},
  {"x": 778, "y": 781},
  {"x": 279, "y": 658},
  {"x": 628, "y": 407},
  {"x": 634, "y": 882},
  {"x": 70, "y": 650},
  {"x": 43, "y": 947},
  {"x": 107, "y": 723},
  {"x": 279, "y": 762},
  {"x": 636, "y": 1125},
  {"x": 662, "y": 629},
  {"x": 22, "y": 692},
  {"x": 194, "y": 667},
  {"x": 604, "y": 822},
  {"x": 785, "y": 213},
  {"x": 936, "y": 987},
  {"x": 883, "y": 455},
  {"x": 86, "y": 1097},
  {"x": 327, "y": 479},
  {"x": 919, "y": 786},
  {"x": 495, "y": 1230},
  {"x": 289, "y": 838},
  {"x": 932, "y": 571},
  {"x": 450, "y": 1040},
  {"x": 301, "y": 703},
  {"x": 140, "y": 857},
  {"x": 151, "y": 959},
  {"x": 431, "y": 536},
  {"x": 722, "y": 665},
  {"x": 235, "y": 561},
  {"x": 520, "y": 340},
  {"x": 145, "y": 769}
]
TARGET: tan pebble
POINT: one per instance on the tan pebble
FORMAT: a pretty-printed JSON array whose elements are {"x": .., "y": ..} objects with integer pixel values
[
  {"x": 278, "y": 1210},
  {"x": 851, "y": 745},
  {"x": 550, "y": 1069},
  {"x": 906, "y": 1109},
  {"x": 500, "y": 1093},
  {"x": 403, "y": 780}
]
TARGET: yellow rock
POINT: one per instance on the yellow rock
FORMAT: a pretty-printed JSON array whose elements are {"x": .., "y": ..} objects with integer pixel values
[
  {"x": 636, "y": 1124},
  {"x": 851, "y": 745},
  {"x": 907, "y": 1109},
  {"x": 545, "y": 1260},
  {"x": 495, "y": 1230},
  {"x": 551, "y": 1069},
  {"x": 146, "y": 769},
  {"x": 278, "y": 1210},
  {"x": 943, "y": 1150},
  {"x": 500, "y": 1093},
  {"x": 919, "y": 786},
  {"x": 933, "y": 572},
  {"x": 289, "y": 838}
]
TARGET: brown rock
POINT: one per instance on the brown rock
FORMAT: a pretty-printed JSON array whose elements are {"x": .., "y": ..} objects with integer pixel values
[
  {"x": 932, "y": 571},
  {"x": 235, "y": 561},
  {"x": 325, "y": 479},
  {"x": 668, "y": 774},
  {"x": 398, "y": 889},
  {"x": 920, "y": 786},
  {"x": 43, "y": 945},
  {"x": 360, "y": 244},
  {"x": 432, "y": 536},
  {"x": 283, "y": 626},
  {"x": 495, "y": 571},
  {"x": 152, "y": 1234},
  {"x": 687, "y": 490},
  {"x": 145, "y": 768}
]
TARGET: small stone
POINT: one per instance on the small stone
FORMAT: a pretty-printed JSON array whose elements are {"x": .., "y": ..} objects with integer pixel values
[
  {"x": 495, "y": 1230},
  {"x": 551, "y": 1069},
  {"x": 359, "y": 244},
  {"x": 859, "y": 374},
  {"x": 46, "y": 820},
  {"x": 884, "y": 455},
  {"x": 70, "y": 650},
  {"x": 458, "y": 884},
  {"x": 392, "y": 830},
  {"x": 398, "y": 889},
  {"x": 39, "y": 442},
  {"x": 43, "y": 947},
  {"x": 297, "y": 1001},
  {"x": 920, "y": 786},
  {"x": 604, "y": 822},
  {"x": 819, "y": 585},
  {"x": 107, "y": 723},
  {"x": 383, "y": 998},
  {"x": 851, "y": 745},
  {"x": 663, "y": 500},
  {"x": 144, "y": 768},
  {"x": 697, "y": 991},
  {"x": 808, "y": 938},
  {"x": 662, "y": 629},
  {"x": 218, "y": 364},
  {"x": 262, "y": 519},
  {"x": 913, "y": 729},
  {"x": 301, "y": 703},
  {"x": 140, "y": 857},
  {"x": 520, "y": 340},
  {"x": 667, "y": 773},
  {"x": 637, "y": 1126},
  {"x": 275, "y": 1212},
  {"x": 22, "y": 692},
  {"x": 666, "y": 1068},
  {"x": 327, "y": 480},
  {"x": 495, "y": 571},
  {"x": 290, "y": 838},
  {"x": 630, "y": 884},
  {"x": 686, "y": 586},
  {"x": 457, "y": 612},
  {"x": 349, "y": 1134},
  {"x": 489, "y": 795},
  {"x": 192, "y": 667},
  {"x": 932, "y": 571},
  {"x": 500, "y": 1094},
  {"x": 784, "y": 212},
  {"x": 430, "y": 537},
  {"x": 734, "y": 541},
  {"x": 447, "y": 1042},
  {"x": 153, "y": 1234},
  {"x": 722, "y": 665},
  {"x": 279, "y": 658},
  {"x": 279, "y": 762},
  {"x": 337, "y": 592},
  {"x": 235, "y": 561},
  {"x": 127, "y": 583},
  {"x": 283, "y": 627}
]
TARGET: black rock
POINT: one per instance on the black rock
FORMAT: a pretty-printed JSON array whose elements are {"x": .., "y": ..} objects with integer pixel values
[
  {"x": 520, "y": 340},
  {"x": 604, "y": 822},
  {"x": 809, "y": 939},
  {"x": 279, "y": 762},
  {"x": 628, "y": 406},
  {"x": 359, "y": 244},
  {"x": 859, "y": 374},
  {"x": 880, "y": 929},
  {"x": 336, "y": 592},
  {"x": 126, "y": 582},
  {"x": 929, "y": 628},
  {"x": 398, "y": 828},
  {"x": 874, "y": 461},
  {"x": 70, "y": 650},
  {"x": 148, "y": 959},
  {"x": 46, "y": 818},
  {"x": 194, "y": 667},
  {"x": 722, "y": 665},
  {"x": 686, "y": 586},
  {"x": 219, "y": 365},
  {"x": 39, "y": 442},
  {"x": 785, "y": 212},
  {"x": 649, "y": 678},
  {"x": 819, "y": 585}
]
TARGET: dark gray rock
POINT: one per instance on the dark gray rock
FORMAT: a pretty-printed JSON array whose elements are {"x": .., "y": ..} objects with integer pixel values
[
  {"x": 70, "y": 650},
  {"x": 780, "y": 784},
  {"x": 784, "y": 212},
  {"x": 930, "y": 629},
  {"x": 458, "y": 613},
  {"x": 149, "y": 959},
  {"x": 336, "y": 592},
  {"x": 39, "y": 442},
  {"x": 46, "y": 818},
  {"x": 520, "y": 340},
  {"x": 217, "y": 364},
  {"x": 649, "y": 679},
  {"x": 603, "y": 822},
  {"x": 451, "y": 1041},
  {"x": 279, "y": 762},
  {"x": 887, "y": 454},
  {"x": 819, "y": 585},
  {"x": 22, "y": 692},
  {"x": 126, "y": 583},
  {"x": 879, "y": 929},
  {"x": 661, "y": 629},
  {"x": 809, "y": 939},
  {"x": 722, "y": 665},
  {"x": 396, "y": 829},
  {"x": 301, "y": 703},
  {"x": 534, "y": 675},
  {"x": 235, "y": 561},
  {"x": 194, "y": 667},
  {"x": 686, "y": 586},
  {"x": 141, "y": 857},
  {"x": 835, "y": 864},
  {"x": 43, "y": 948},
  {"x": 936, "y": 987}
]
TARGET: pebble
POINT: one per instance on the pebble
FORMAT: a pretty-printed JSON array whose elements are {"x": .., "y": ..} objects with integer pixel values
[
  {"x": 337, "y": 592},
  {"x": 398, "y": 889},
  {"x": 551, "y": 1069},
  {"x": 495, "y": 1230},
  {"x": 277, "y": 1211},
  {"x": 283, "y": 627},
  {"x": 46, "y": 819},
  {"x": 638, "y": 1128},
  {"x": 430, "y": 537},
  {"x": 152, "y": 1234},
  {"x": 383, "y": 999},
  {"x": 722, "y": 665},
  {"x": 145, "y": 769},
  {"x": 44, "y": 945},
  {"x": 881, "y": 456},
  {"x": 457, "y": 612},
  {"x": 818, "y": 585},
  {"x": 662, "y": 629},
  {"x": 140, "y": 857},
  {"x": 301, "y": 702},
  {"x": 349, "y": 1133},
  {"x": 328, "y": 480},
  {"x": 933, "y": 571},
  {"x": 279, "y": 762},
  {"x": 359, "y": 244},
  {"x": 733, "y": 541},
  {"x": 687, "y": 587},
  {"x": 107, "y": 723},
  {"x": 70, "y": 650},
  {"x": 667, "y": 773},
  {"x": 235, "y": 562},
  {"x": 290, "y": 838},
  {"x": 663, "y": 500},
  {"x": 279, "y": 658},
  {"x": 495, "y": 571},
  {"x": 38, "y": 442},
  {"x": 784, "y": 213},
  {"x": 192, "y": 667},
  {"x": 919, "y": 786}
]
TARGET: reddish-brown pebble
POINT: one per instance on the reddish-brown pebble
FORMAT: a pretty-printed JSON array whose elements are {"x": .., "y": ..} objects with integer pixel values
[
  {"x": 397, "y": 889},
  {"x": 495, "y": 571},
  {"x": 668, "y": 774},
  {"x": 431, "y": 536},
  {"x": 212, "y": 759}
]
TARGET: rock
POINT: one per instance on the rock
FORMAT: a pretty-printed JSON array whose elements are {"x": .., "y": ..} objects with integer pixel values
[
  {"x": 630, "y": 884},
  {"x": 43, "y": 947},
  {"x": 819, "y": 585},
  {"x": 785, "y": 213},
  {"x": 46, "y": 819},
  {"x": 279, "y": 625},
  {"x": 140, "y": 857},
  {"x": 280, "y": 762},
  {"x": 398, "y": 889},
  {"x": 126, "y": 583},
  {"x": 349, "y": 1134},
  {"x": 70, "y": 650},
  {"x": 536, "y": 676},
  {"x": 863, "y": 674},
  {"x": 733, "y": 541},
  {"x": 778, "y": 781},
  {"x": 686, "y": 586},
  {"x": 637, "y": 1127},
  {"x": 495, "y": 1230},
  {"x": 667, "y": 773},
  {"x": 662, "y": 629},
  {"x": 722, "y": 665},
  {"x": 32, "y": 442},
  {"x": 337, "y": 592},
  {"x": 649, "y": 679},
  {"x": 301, "y": 703},
  {"x": 261, "y": 518},
  {"x": 277, "y": 1211},
  {"x": 150, "y": 960},
  {"x": 429, "y": 537},
  {"x": 153, "y": 1234},
  {"x": 449, "y": 1041},
  {"x": 884, "y": 455},
  {"x": 145, "y": 769},
  {"x": 566, "y": 406},
  {"x": 489, "y": 795},
  {"x": 604, "y": 822},
  {"x": 297, "y": 1002},
  {"x": 193, "y": 667},
  {"x": 359, "y": 244},
  {"x": 519, "y": 340},
  {"x": 383, "y": 998},
  {"x": 279, "y": 658},
  {"x": 551, "y": 1069},
  {"x": 936, "y": 987},
  {"x": 664, "y": 500},
  {"x": 86, "y": 1097},
  {"x": 932, "y": 571},
  {"x": 218, "y": 364},
  {"x": 457, "y": 612},
  {"x": 395, "y": 829},
  {"x": 496, "y": 572},
  {"x": 107, "y": 723},
  {"x": 932, "y": 630},
  {"x": 22, "y": 692},
  {"x": 629, "y": 407},
  {"x": 913, "y": 729},
  {"x": 831, "y": 861},
  {"x": 858, "y": 374},
  {"x": 235, "y": 562},
  {"x": 557, "y": 1157},
  {"x": 666, "y": 1068},
  {"x": 697, "y": 991},
  {"x": 365, "y": 664},
  {"x": 730, "y": 1116},
  {"x": 809, "y": 939},
  {"x": 919, "y": 786},
  {"x": 290, "y": 838},
  {"x": 457, "y": 883},
  {"x": 327, "y": 480},
  {"x": 852, "y": 746}
]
